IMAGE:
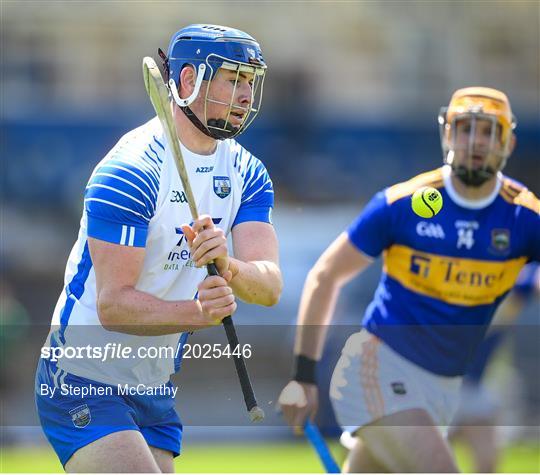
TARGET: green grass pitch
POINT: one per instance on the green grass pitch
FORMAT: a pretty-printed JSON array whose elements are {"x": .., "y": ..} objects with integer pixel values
[{"x": 273, "y": 457}]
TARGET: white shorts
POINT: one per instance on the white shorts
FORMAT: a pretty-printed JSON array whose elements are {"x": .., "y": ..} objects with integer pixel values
[{"x": 371, "y": 381}]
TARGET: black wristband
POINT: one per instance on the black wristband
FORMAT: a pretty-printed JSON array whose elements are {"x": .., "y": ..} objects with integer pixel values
[{"x": 305, "y": 370}]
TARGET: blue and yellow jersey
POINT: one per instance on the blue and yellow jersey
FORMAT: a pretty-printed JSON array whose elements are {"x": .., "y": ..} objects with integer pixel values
[{"x": 444, "y": 277}]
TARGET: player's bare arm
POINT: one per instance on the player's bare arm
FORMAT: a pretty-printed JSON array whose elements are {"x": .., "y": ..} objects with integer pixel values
[
  {"x": 123, "y": 308},
  {"x": 336, "y": 266},
  {"x": 254, "y": 272},
  {"x": 258, "y": 279}
]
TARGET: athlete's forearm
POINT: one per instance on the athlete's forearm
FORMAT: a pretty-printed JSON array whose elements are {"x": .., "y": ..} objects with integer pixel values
[
  {"x": 131, "y": 311},
  {"x": 315, "y": 314},
  {"x": 258, "y": 282}
]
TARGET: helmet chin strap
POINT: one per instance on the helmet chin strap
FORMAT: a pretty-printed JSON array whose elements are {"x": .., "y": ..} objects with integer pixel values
[
  {"x": 221, "y": 129},
  {"x": 219, "y": 134},
  {"x": 195, "y": 121}
]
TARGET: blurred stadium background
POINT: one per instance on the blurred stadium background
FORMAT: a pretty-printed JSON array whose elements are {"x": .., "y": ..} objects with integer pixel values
[{"x": 350, "y": 106}]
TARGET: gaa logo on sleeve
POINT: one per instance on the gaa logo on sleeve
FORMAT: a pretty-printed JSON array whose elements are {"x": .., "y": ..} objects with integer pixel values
[{"x": 222, "y": 186}]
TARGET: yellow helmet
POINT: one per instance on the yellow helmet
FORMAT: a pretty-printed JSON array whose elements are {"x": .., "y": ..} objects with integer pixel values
[
  {"x": 478, "y": 103},
  {"x": 483, "y": 100}
]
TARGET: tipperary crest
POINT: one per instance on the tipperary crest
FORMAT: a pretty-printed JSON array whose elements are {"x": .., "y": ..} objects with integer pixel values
[
  {"x": 80, "y": 416},
  {"x": 500, "y": 239},
  {"x": 222, "y": 186}
]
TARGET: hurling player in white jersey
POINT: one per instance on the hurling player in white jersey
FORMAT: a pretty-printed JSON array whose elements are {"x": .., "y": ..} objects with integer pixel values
[{"x": 136, "y": 277}]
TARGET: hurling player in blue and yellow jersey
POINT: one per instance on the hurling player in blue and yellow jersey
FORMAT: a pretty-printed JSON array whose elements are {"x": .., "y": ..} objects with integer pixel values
[{"x": 399, "y": 378}]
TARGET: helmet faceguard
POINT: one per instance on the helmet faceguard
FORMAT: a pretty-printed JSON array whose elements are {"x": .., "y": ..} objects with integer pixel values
[
  {"x": 207, "y": 48},
  {"x": 476, "y": 133}
]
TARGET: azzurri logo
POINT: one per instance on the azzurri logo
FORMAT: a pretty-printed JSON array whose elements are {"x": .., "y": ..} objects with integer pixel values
[{"x": 204, "y": 169}]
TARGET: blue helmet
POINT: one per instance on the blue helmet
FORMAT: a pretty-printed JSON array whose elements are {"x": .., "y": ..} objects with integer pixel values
[
  {"x": 211, "y": 45},
  {"x": 207, "y": 48}
]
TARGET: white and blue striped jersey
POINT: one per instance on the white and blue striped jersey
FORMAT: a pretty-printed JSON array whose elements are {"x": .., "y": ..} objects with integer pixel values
[{"x": 135, "y": 198}]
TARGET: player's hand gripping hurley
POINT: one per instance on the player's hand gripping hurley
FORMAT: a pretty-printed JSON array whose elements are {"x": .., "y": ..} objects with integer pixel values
[{"x": 159, "y": 96}]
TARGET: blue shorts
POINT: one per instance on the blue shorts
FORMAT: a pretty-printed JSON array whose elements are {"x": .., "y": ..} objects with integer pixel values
[{"x": 71, "y": 421}]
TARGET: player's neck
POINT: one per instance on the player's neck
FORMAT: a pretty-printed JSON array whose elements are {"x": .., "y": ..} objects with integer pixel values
[
  {"x": 191, "y": 137},
  {"x": 474, "y": 193}
]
